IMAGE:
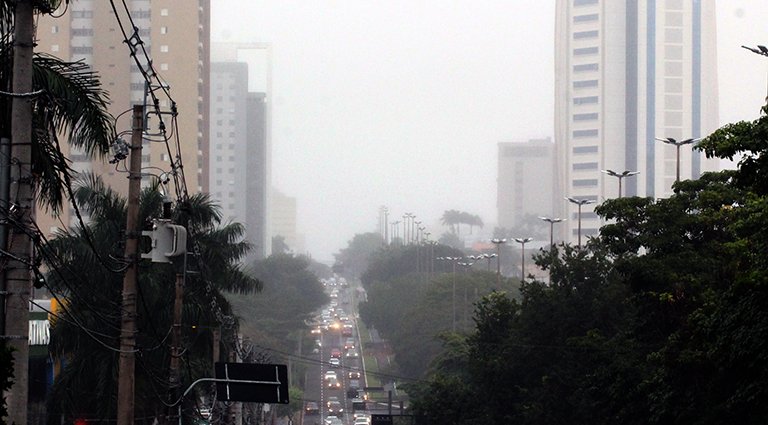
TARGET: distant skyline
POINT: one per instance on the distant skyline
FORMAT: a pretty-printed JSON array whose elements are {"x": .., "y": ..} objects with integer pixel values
[{"x": 403, "y": 103}]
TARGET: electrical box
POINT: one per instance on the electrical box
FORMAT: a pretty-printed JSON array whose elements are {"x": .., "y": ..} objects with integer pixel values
[{"x": 168, "y": 241}]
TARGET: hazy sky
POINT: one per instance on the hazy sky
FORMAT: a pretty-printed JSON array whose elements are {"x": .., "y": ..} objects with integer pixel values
[{"x": 402, "y": 102}]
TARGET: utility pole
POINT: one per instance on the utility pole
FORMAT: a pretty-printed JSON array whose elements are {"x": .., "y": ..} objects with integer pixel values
[
  {"x": 175, "y": 369},
  {"x": 18, "y": 277},
  {"x": 126, "y": 375}
]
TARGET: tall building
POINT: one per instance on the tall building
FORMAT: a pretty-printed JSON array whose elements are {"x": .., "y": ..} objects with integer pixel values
[
  {"x": 628, "y": 72},
  {"x": 284, "y": 212},
  {"x": 237, "y": 162},
  {"x": 176, "y": 36},
  {"x": 525, "y": 181}
]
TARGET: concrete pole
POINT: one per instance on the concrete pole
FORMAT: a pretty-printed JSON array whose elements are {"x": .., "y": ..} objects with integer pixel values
[
  {"x": 126, "y": 370},
  {"x": 18, "y": 277}
]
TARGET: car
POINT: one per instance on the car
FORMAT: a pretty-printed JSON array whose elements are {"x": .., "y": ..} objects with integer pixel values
[
  {"x": 316, "y": 330},
  {"x": 334, "y": 362},
  {"x": 353, "y": 392},
  {"x": 333, "y": 420},
  {"x": 349, "y": 343},
  {"x": 346, "y": 330},
  {"x": 331, "y": 374},
  {"x": 354, "y": 383},
  {"x": 362, "y": 420},
  {"x": 335, "y": 352},
  {"x": 335, "y": 408},
  {"x": 311, "y": 408},
  {"x": 352, "y": 353},
  {"x": 333, "y": 383},
  {"x": 353, "y": 373}
]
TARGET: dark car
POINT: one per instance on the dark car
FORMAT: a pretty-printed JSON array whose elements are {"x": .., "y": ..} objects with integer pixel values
[
  {"x": 335, "y": 408},
  {"x": 311, "y": 408}
]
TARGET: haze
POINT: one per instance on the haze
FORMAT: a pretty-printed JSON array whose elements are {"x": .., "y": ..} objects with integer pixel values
[{"x": 402, "y": 103}]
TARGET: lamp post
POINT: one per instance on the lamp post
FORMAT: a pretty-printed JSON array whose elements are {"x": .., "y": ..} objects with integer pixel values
[
  {"x": 580, "y": 203},
  {"x": 453, "y": 261},
  {"x": 488, "y": 257},
  {"x": 621, "y": 176},
  {"x": 523, "y": 241},
  {"x": 552, "y": 222},
  {"x": 498, "y": 242},
  {"x": 406, "y": 227},
  {"x": 677, "y": 144},
  {"x": 386, "y": 226},
  {"x": 395, "y": 230}
]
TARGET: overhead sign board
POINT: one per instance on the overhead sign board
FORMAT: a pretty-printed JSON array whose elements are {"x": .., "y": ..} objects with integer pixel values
[{"x": 250, "y": 382}]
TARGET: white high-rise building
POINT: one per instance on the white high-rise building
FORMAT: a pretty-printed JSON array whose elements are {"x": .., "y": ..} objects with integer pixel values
[{"x": 628, "y": 72}]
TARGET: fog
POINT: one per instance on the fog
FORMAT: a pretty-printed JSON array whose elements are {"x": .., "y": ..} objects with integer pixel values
[{"x": 402, "y": 103}]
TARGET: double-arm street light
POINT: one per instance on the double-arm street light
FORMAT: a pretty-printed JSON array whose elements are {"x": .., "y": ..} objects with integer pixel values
[
  {"x": 580, "y": 203},
  {"x": 620, "y": 176},
  {"x": 677, "y": 144},
  {"x": 522, "y": 242},
  {"x": 498, "y": 242},
  {"x": 552, "y": 222}
]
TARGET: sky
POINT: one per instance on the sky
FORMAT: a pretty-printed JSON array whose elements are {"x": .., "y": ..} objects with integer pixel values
[{"x": 402, "y": 103}]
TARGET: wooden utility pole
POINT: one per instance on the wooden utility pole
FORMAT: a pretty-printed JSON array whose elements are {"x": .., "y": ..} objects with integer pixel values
[
  {"x": 126, "y": 376},
  {"x": 18, "y": 281}
]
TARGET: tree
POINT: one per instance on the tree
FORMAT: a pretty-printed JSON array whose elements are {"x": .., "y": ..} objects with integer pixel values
[
  {"x": 279, "y": 246},
  {"x": 354, "y": 259},
  {"x": 85, "y": 276}
]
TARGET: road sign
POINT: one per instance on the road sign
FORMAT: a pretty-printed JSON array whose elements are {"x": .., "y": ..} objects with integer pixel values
[
  {"x": 381, "y": 420},
  {"x": 250, "y": 382}
]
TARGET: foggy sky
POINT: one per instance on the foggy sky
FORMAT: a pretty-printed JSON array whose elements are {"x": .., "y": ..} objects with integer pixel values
[{"x": 402, "y": 103}]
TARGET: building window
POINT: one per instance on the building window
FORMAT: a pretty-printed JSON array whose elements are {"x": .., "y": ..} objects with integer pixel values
[
  {"x": 585, "y": 18},
  {"x": 584, "y": 84},
  {"x": 585, "y": 67},
  {"x": 55, "y": 29},
  {"x": 585, "y": 117},
  {"x": 585, "y": 34},
  {"x": 585, "y": 51},
  {"x": 55, "y": 48},
  {"x": 82, "y": 32},
  {"x": 577, "y": 166},
  {"x": 163, "y": 66},
  {"x": 163, "y": 30},
  {"x": 163, "y": 12},
  {"x": 584, "y": 149},
  {"x": 584, "y": 2},
  {"x": 584, "y": 133},
  {"x": 82, "y": 50},
  {"x": 164, "y": 48},
  {"x": 585, "y": 183},
  {"x": 586, "y": 100}
]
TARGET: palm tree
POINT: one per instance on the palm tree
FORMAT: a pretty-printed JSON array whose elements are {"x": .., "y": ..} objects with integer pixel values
[
  {"x": 87, "y": 331},
  {"x": 451, "y": 218}
]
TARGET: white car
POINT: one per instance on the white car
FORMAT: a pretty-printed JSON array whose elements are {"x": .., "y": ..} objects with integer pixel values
[
  {"x": 331, "y": 374},
  {"x": 362, "y": 421},
  {"x": 334, "y": 362},
  {"x": 333, "y": 420}
]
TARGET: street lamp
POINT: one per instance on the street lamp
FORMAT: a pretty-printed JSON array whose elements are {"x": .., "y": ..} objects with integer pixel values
[
  {"x": 395, "y": 230},
  {"x": 454, "y": 261},
  {"x": 580, "y": 203},
  {"x": 498, "y": 242},
  {"x": 620, "y": 176},
  {"x": 488, "y": 257},
  {"x": 523, "y": 241},
  {"x": 677, "y": 144},
  {"x": 552, "y": 222}
]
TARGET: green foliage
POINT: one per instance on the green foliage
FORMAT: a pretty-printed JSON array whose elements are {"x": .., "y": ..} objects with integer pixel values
[
  {"x": 659, "y": 320},
  {"x": 353, "y": 260},
  {"x": 290, "y": 296},
  {"x": 86, "y": 333}
]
